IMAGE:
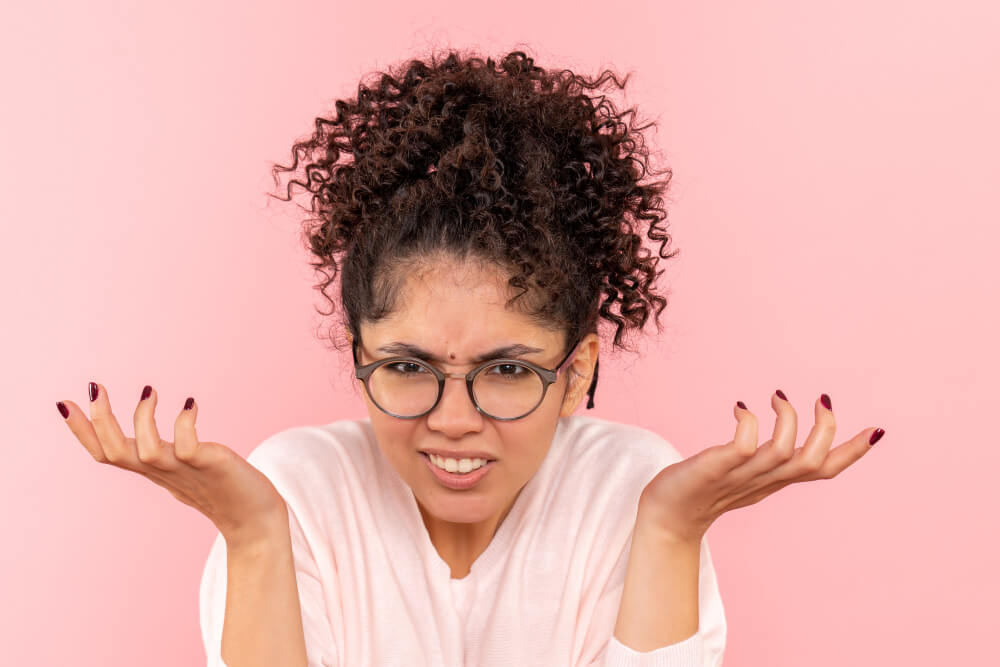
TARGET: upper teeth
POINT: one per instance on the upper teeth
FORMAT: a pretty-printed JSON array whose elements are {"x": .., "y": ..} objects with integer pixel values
[{"x": 456, "y": 465}]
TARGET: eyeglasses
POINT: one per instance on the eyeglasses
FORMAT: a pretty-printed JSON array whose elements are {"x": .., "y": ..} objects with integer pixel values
[{"x": 502, "y": 389}]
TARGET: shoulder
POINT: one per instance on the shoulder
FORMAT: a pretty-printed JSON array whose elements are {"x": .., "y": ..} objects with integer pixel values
[
  {"x": 315, "y": 456},
  {"x": 592, "y": 479},
  {"x": 589, "y": 437},
  {"x": 606, "y": 462}
]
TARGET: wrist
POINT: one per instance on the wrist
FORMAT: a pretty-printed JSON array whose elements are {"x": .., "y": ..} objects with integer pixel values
[
  {"x": 264, "y": 533},
  {"x": 652, "y": 526},
  {"x": 659, "y": 604}
]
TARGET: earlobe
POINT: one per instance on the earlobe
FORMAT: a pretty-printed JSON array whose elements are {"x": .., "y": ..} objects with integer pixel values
[
  {"x": 571, "y": 395},
  {"x": 576, "y": 388},
  {"x": 581, "y": 382},
  {"x": 569, "y": 399}
]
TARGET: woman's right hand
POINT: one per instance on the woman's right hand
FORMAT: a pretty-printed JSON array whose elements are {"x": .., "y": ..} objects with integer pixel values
[{"x": 239, "y": 499}]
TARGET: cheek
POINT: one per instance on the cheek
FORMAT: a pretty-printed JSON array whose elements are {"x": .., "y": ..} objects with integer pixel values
[
  {"x": 396, "y": 437},
  {"x": 525, "y": 443},
  {"x": 553, "y": 402}
]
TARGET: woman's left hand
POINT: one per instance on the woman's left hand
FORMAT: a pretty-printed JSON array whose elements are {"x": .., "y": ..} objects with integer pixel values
[{"x": 684, "y": 499}]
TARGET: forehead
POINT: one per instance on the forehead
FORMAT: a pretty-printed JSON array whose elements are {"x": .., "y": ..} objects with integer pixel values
[
  {"x": 461, "y": 305},
  {"x": 449, "y": 279}
]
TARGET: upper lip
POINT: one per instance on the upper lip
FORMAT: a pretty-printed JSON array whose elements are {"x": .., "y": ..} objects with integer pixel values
[{"x": 459, "y": 455}]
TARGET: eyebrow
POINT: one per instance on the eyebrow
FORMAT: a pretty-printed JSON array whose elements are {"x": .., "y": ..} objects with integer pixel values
[{"x": 505, "y": 352}]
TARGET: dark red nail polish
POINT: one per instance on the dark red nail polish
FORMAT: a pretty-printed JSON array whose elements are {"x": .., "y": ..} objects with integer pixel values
[
  {"x": 63, "y": 410},
  {"x": 781, "y": 395},
  {"x": 188, "y": 403},
  {"x": 825, "y": 400},
  {"x": 146, "y": 391},
  {"x": 741, "y": 404},
  {"x": 93, "y": 391},
  {"x": 876, "y": 436}
]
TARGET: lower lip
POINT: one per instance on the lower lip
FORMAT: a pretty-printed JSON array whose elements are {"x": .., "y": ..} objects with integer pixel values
[{"x": 457, "y": 481}]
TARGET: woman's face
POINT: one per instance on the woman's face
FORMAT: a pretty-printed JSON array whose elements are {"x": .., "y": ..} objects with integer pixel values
[{"x": 455, "y": 312}]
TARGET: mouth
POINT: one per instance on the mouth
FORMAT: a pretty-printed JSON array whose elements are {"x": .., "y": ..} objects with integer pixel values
[
  {"x": 426, "y": 455},
  {"x": 458, "y": 480}
]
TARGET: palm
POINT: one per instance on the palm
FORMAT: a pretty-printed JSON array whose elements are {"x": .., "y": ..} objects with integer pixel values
[
  {"x": 237, "y": 497},
  {"x": 686, "y": 497}
]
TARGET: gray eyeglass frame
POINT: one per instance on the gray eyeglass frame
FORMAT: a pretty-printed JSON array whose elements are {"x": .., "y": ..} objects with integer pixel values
[{"x": 548, "y": 377}]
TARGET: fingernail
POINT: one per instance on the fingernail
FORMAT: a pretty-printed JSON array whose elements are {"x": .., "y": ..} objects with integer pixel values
[
  {"x": 741, "y": 404},
  {"x": 825, "y": 400},
  {"x": 188, "y": 403},
  {"x": 781, "y": 395},
  {"x": 63, "y": 410},
  {"x": 93, "y": 391},
  {"x": 876, "y": 435},
  {"x": 146, "y": 391}
]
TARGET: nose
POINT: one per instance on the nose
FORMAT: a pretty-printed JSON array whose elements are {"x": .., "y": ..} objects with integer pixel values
[{"x": 455, "y": 414}]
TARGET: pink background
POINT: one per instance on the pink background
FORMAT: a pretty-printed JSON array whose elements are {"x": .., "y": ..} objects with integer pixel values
[{"x": 834, "y": 200}]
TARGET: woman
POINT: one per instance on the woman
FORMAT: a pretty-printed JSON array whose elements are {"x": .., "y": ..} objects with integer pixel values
[{"x": 484, "y": 228}]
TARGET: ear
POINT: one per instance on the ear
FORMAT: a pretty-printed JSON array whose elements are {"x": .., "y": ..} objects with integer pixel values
[{"x": 583, "y": 370}]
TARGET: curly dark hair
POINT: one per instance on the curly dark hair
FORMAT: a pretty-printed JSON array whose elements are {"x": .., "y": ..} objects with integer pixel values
[{"x": 510, "y": 165}]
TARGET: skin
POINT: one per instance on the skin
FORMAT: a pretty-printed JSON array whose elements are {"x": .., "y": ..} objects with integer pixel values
[
  {"x": 659, "y": 604},
  {"x": 455, "y": 310},
  {"x": 685, "y": 498}
]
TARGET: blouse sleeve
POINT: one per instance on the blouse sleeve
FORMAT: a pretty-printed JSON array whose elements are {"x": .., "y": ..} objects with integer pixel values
[
  {"x": 702, "y": 649},
  {"x": 320, "y": 648}
]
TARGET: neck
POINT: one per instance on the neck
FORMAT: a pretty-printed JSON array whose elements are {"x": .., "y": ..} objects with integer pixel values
[{"x": 460, "y": 544}]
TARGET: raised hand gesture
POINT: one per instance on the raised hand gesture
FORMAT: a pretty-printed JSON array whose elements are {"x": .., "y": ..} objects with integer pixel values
[
  {"x": 685, "y": 498},
  {"x": 239, "y": 499}
]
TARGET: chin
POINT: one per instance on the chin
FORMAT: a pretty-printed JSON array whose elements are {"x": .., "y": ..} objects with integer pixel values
[{"x": 455, "y": 507}]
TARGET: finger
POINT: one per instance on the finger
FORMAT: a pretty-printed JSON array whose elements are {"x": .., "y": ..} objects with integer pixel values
[
  {"x": 776, "y": 451},
  {"x": 786, "y": 427},
  {"x": 745, "y": 440},
  {"x": 721, "y": 460},
  {"x": 846, "y": 454},
  {"x": 117, "y": 449},
  {"x": 84, "y": 431},
  {"x": 840, "y": 458},
  {"x": 808, "y": 459},
  {"x": 150, "y": 448},
  {"x": 186, "y": 436}
]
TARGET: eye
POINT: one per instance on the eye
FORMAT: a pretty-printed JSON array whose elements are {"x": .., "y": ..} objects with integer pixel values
[
  {"x": 507, "y": 370},
  {"x": 406, "y": 368}
]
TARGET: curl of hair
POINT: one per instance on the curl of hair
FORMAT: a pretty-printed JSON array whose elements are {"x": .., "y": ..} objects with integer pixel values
[{"x": 502, "y": 162}]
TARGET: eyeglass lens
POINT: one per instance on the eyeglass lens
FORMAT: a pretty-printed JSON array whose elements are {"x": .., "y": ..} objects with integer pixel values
[{"x": 503, "y": 390}]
